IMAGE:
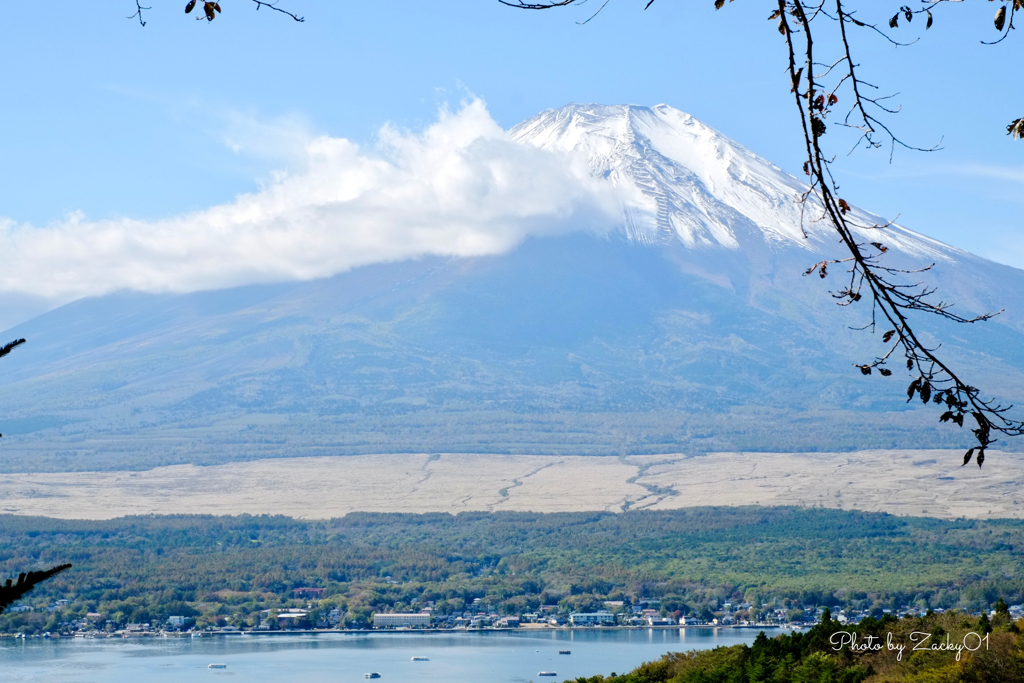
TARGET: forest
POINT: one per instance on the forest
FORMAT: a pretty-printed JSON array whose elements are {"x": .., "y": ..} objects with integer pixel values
[{"x": 229, "y": 570}]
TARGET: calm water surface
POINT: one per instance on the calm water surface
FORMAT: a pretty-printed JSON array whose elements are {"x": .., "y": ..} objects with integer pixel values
[{"x": 483, "y": 657}]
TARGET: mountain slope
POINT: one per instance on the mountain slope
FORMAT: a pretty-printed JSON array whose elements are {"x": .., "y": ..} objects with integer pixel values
[{"x": 690, "y": 330}]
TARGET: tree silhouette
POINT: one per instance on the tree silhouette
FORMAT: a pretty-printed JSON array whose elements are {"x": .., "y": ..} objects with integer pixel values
[
  {"x": 818, "y": 84},
  {"x": 10, "y": 591}
]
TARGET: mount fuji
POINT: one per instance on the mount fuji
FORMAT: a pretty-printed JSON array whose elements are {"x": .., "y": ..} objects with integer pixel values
[
  {"x": 694, "y": 185},
  {"x": 690, "y": 329}
]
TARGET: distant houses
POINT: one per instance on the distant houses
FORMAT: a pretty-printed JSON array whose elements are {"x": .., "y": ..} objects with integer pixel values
[
  {"x": 478, "y": 620},
  {"x": 310, "y": 614},
  {"x": 327, "y": 615}
]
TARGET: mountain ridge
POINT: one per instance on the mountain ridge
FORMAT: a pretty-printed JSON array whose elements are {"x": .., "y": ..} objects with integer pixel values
[{"x": 690, "y": 330}]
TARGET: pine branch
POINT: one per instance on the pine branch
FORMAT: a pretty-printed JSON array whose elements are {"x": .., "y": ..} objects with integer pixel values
[
  {"x": 12, "y": 592},
  {"x": 7, "y": 348}
]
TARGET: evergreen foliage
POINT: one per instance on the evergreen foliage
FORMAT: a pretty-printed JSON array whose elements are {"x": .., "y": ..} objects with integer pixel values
[
  {"x": 819, "y": 656},
  {"x": 143, "y": 569}
]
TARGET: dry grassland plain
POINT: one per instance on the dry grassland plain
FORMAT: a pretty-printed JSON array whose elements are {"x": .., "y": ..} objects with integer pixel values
[{"x": 924, "y": 483}]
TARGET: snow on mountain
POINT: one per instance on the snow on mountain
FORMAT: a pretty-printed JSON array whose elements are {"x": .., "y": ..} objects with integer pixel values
[
  {"x": 695, "y": 331},
  {"x": 696, "y": 185}
]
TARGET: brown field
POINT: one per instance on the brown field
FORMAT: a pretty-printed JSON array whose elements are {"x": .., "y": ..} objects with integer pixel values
[{"x": 929, "y": 483}]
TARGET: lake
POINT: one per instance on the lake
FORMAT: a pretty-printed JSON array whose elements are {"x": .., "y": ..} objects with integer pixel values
[{"x": 512, "y": 657}]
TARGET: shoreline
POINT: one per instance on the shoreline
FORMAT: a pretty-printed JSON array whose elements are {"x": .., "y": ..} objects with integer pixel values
[{"x": 306, "y": 632}]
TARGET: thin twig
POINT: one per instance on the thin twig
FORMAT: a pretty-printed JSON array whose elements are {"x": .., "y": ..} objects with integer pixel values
[
  {"x": 273, "y": 6},
  {"x": 138, "y": 12}
]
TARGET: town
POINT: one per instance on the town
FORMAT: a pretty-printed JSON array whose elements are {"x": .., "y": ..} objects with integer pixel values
[{"x": 321, "y": 615}]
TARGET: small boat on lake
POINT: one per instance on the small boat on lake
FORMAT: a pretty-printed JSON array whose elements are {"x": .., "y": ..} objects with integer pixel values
[
  {"x": 216, "y": 666},
  {"x": 565, "y": 652},
  {"x": 420, "y": 659},
  {"x": 372, "y": 674}
]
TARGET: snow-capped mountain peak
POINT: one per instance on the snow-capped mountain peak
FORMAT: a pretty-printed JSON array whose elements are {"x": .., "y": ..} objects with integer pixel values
[{"x": 694, "y": 184}]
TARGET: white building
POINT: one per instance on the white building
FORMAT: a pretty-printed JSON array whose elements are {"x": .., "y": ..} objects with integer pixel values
[
  {"x": 591, "y": 618},
  {"x": 290, "y": 617},
  {"x": 397, "y": 620}
]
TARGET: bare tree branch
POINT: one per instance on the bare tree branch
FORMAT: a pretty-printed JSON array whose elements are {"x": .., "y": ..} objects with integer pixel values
[
  {"x": 273, "y": 6},
  {"x": 891, "y": 301},
  {"x": 138, "y": 12},
  {"x": 212, "y": 9},
  {"x": 543, "y": 5},
  {"x": 1000, "y": 20}
]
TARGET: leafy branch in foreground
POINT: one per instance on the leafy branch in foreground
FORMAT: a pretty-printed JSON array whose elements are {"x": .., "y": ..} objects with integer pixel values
[
  {"x": 12, "y": 592},
  {"x": 816, "y": 86},
  {"x": 892, "y": 301}
]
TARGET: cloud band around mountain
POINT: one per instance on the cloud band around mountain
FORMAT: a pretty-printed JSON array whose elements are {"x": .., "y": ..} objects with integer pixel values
[{"x": 462, "y": 187}]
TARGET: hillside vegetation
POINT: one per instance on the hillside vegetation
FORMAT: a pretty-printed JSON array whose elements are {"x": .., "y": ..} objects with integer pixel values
[
  {"x": 228, "y": 569},
  {"x": 950, "y": 648}
]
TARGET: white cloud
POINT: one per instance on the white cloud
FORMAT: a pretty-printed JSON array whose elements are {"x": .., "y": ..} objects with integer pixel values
[
  {"x": 1013, "y": 174},
  {"x": 282, "y": 138},
  {"x": 460, "y": 188}
]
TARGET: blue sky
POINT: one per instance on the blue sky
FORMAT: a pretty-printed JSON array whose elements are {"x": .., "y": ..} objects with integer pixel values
[{"x": 106, "y": 120}]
